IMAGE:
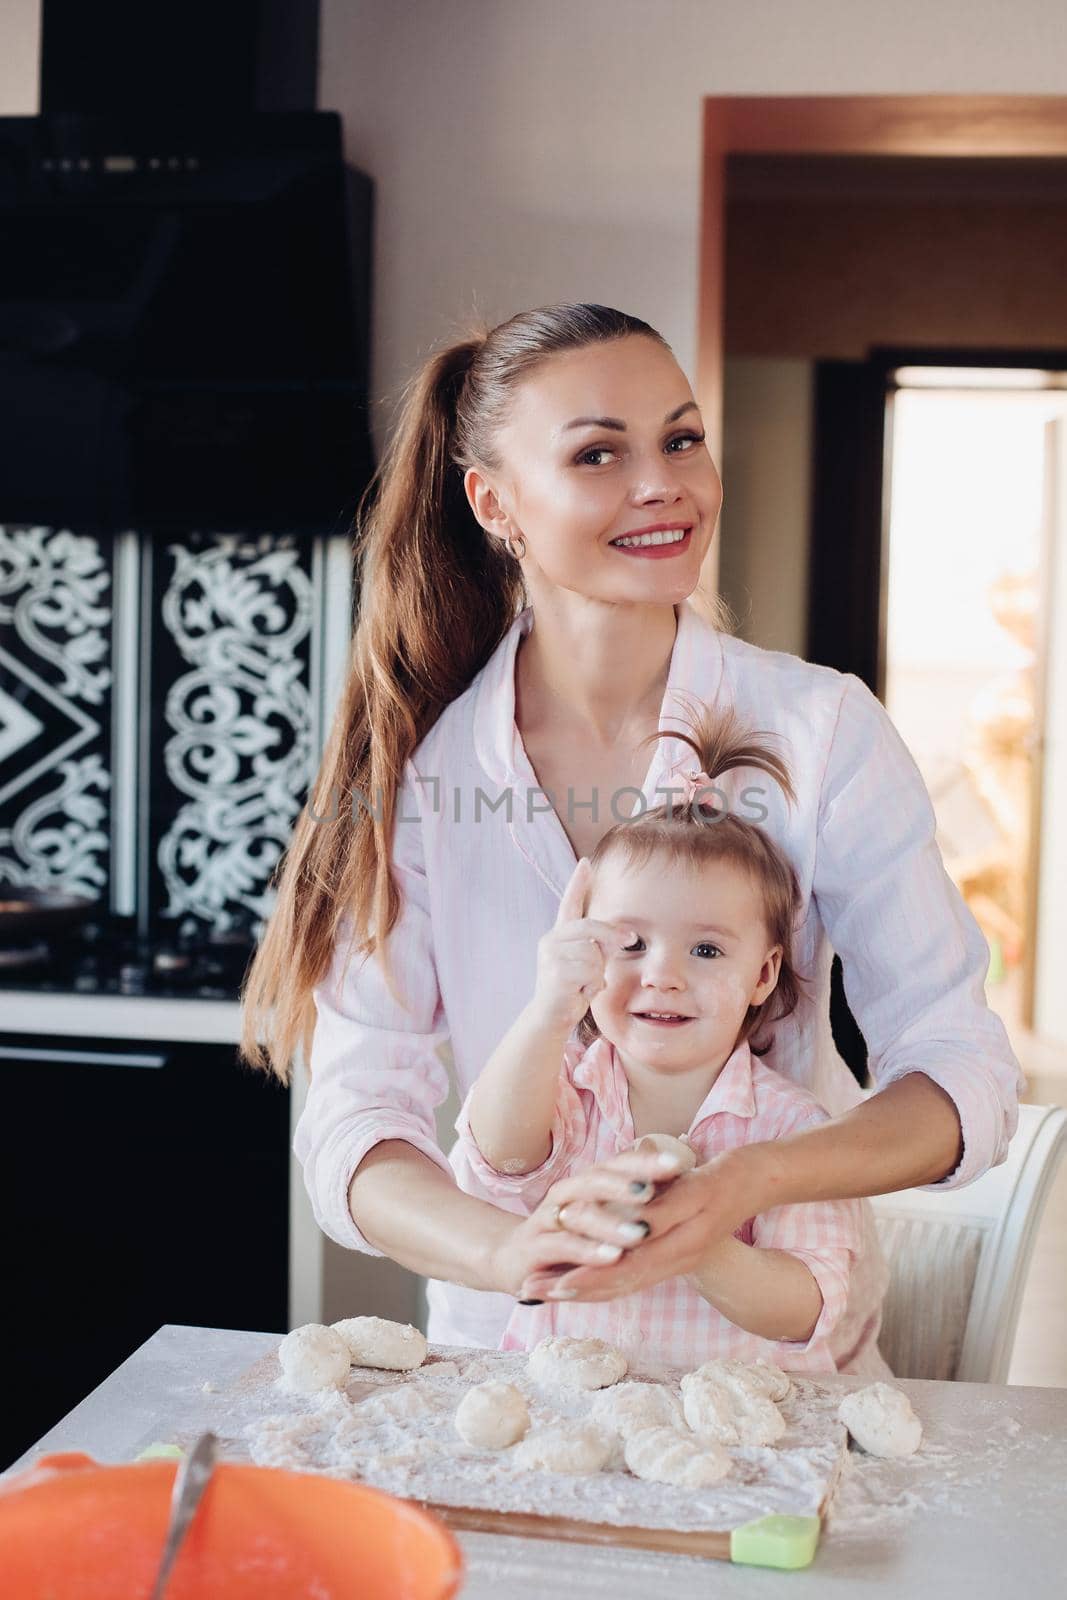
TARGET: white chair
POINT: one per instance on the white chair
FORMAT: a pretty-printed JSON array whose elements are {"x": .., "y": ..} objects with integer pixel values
[{"x": 958, "y": 1260}]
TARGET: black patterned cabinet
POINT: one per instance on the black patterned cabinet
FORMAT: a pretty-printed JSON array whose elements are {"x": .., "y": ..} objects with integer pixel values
[{"x": 162, "y": 705}]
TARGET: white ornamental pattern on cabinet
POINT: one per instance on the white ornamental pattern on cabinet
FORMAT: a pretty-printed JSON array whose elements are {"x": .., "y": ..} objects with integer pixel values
[
  {"x": 239, "y": 720},
  {"x": 54, "y": 659}
]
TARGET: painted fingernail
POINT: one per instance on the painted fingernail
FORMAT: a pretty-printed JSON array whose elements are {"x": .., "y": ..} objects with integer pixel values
[
  {"x": 608, "y": 1252},
  {"x": 531, "y": 1302},
  {"x": 634, "y": 1230},
  {"x": 643, "y": 1189}
]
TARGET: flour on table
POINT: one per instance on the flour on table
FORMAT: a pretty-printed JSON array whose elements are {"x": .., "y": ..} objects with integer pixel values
[{"x": 396, "y": 1431}]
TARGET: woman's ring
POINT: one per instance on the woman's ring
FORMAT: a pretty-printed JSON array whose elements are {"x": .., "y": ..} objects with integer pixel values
[{"x": 557, "y": 1216}]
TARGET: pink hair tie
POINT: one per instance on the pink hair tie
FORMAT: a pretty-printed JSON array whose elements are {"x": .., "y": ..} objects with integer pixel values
[{"x": 692, "y": 784}]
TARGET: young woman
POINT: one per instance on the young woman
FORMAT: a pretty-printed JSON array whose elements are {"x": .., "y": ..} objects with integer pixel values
[{"x": 483, "y": 744}]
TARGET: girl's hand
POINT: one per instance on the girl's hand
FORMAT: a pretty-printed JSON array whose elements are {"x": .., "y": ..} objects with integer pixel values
[
  {"x": 686, "y": 1222},
  {"x": 578, "y": 1222},
  {"x": 571, "y": 956}
]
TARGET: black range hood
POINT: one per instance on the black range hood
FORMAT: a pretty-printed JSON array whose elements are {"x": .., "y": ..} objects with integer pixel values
[{"x": 184, "y": 280}]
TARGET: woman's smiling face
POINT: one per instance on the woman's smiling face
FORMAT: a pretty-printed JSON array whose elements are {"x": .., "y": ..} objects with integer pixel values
[
  {"x": 604, "y": 442},
  {"x": 702, "y": 954}
]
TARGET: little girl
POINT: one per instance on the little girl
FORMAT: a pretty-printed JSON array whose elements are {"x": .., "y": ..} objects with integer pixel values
[{"x": 670, "y": 954}]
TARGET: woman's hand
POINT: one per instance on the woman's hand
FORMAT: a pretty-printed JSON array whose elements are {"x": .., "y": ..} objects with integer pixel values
[
  {"x": 581, "y": 1222},
  {"x": 686, "y": 1221},
  {"x": 571, "y": 957}
]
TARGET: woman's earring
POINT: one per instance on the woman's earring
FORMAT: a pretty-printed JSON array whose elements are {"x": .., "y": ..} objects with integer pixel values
[{"x": 511, "y": 541}]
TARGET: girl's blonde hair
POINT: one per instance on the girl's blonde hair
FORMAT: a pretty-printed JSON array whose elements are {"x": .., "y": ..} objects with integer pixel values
[
  {"x": 436, "y": 597},
  {"x": 697, "y": 832}
]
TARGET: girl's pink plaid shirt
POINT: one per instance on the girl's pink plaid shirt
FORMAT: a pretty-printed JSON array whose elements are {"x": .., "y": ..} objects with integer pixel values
[{"x": 747, "y": 1103}]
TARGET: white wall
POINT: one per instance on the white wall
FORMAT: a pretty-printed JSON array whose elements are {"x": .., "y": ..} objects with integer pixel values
[
  {"x": 531, "y": 150},
  {"x": 20, "y": 30},
  {"x": 765, "y": 525}
]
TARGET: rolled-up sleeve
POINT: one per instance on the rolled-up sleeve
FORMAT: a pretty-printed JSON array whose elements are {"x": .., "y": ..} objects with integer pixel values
[
  {"x": 913, "y": 958},
  {"x": 568, "y": 1134},
  {"x": 827, "y": 1235},
  {"x": 375, "y": 1071}
]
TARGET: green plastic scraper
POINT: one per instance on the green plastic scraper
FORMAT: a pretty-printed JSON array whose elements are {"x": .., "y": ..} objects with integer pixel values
[{"x": 779, "y": 1541}]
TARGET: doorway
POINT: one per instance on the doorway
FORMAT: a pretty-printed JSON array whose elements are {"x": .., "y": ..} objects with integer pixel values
[
  {"x": 969, "y": 637},
  {"x": 938, "y": 526},
  {"x": 856, "y": 224}
]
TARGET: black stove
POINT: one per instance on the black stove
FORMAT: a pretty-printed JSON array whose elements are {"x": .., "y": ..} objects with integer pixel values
[{"x": 108, "y": 956}]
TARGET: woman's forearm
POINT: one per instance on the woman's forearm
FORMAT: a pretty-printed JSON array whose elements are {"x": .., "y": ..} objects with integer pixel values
[
  {"x": 513, "y": 1101},
  {"x": 767, "y": 1292},
  {"x": 412, "y": 1211},
  {"x": 905, "y": 1135}
]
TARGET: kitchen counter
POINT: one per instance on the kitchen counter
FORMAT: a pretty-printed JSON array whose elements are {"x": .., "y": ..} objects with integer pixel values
[
  {"x": 981, "y": 1511},
  {"x": 108, "y": 1016}
]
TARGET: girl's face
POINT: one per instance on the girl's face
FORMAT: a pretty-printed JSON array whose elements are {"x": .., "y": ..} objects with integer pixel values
[
  {"x": 676, "y": 999},
  {"x": 605, "y": 442}
]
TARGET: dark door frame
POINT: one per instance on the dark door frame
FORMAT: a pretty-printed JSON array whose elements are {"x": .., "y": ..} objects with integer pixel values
[
  {"x": 849, "y": 570},
  {"x": 851, "y": 450}
]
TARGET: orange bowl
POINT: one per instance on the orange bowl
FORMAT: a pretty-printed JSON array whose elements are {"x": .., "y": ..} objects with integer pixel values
[{"x": 71, "y": 1529}]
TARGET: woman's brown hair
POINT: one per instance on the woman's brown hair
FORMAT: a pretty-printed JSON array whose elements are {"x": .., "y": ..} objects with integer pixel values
[
  {"x": 437, "y": 594},
  {"x": 694, "y": 832}
]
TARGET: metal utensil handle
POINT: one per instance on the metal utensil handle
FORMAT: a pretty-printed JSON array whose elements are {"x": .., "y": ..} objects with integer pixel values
[{"x": 190, "y": 1482}]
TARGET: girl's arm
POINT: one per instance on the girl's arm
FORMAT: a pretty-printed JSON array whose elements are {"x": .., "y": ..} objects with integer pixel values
[
  {"x": 791, "y": 1283},
  {"x": 767, "y": 1292},
  {"x": 511, "y": 1107}
]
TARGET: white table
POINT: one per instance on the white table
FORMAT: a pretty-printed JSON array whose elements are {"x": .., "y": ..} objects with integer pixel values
[{"x": 980, "y": 1512}]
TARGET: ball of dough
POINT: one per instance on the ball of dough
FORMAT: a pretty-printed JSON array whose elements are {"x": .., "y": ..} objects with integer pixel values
[
  {"x": 313, "y": 1357},
  {"x": 492, "y": 1416},
  {"x": 755, "y": 1377},
  {"x": 666, "y": 1144},
  {"x": 571, "y": 1447},
  {"x": 627, "y": 1408},
  {"x": 720, "y": 1407},
  {"x": 663, "y": 1455},
  {"x": 880, "y": 1419},
  {"x": 375, "y": 1342},
  {"x": 576, "y": 1364}
]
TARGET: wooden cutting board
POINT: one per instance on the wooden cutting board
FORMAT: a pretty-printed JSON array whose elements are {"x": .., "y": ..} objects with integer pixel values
[
  {"x": 468, "y": 1505},
  {"x": 714, "y": 1545}
]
